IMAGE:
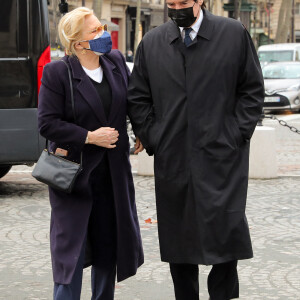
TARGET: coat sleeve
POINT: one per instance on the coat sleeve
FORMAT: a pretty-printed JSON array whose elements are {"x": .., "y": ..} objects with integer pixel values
[
  {"x": 250, "y": 89},
  {"x": 51, "y": 112},
  {"x": 140, "y": 103}
]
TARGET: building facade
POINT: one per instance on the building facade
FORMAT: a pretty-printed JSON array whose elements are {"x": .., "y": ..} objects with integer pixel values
[
  {"x": 261, "y": 17},
  {"x": 297, "y": 21},
  {"x": 267, "y": 20}
]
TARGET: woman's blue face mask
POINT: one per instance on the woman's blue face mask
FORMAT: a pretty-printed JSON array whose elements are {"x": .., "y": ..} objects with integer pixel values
[{"x": 101, "y": 44}]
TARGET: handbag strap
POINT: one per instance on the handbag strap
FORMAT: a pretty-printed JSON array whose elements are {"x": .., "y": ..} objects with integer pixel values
[
  {"x": 73, "y": 105},
  {"x": 71, "y": 88}
]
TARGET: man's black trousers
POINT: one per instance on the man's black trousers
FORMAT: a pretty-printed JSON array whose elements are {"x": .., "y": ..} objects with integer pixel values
[{"x": 222, "y": 282}]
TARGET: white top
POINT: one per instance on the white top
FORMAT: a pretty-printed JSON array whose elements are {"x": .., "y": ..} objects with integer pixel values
[
  {"x": 195, "y": 27},
  {"x": 96, "y": 74}
]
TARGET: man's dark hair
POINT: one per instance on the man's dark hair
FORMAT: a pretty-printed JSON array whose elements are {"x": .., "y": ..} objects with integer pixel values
[{"x": 203, "y": 4}]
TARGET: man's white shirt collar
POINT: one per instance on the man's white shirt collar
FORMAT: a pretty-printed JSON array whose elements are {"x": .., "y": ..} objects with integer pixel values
[{"x": 195, "y": 27}]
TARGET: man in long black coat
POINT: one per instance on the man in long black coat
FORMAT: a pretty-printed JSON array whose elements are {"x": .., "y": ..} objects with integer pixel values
[{"x": 194, "y": 100}]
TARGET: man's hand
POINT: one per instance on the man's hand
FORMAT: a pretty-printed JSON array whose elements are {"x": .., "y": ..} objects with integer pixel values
[
  {"x": 138, "y": 146},
  {"x": 104, "y": 137}
]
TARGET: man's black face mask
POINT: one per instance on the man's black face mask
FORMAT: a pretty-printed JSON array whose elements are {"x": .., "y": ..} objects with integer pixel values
[{"x": 183, "y": 17}]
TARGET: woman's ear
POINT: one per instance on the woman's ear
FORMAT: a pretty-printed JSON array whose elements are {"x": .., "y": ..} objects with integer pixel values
[{"x": 78, "y": 46}]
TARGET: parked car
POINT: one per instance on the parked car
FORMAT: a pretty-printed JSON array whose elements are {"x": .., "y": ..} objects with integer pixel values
[
  {"x": 24, "y": 51},
  {"x": 282, "y": 86},
  {"x": 278, "y": 52}
]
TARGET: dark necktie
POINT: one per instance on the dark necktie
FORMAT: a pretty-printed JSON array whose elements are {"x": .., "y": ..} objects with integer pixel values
[{"x": 187, "y": 38}]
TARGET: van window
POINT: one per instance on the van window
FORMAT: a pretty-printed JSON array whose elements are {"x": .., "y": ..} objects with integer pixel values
[
  {"x": 13, "y": 29},
  {"x": 16, "y": 66},
  {"x": 8, "y": 29},
  {"x": 23, "y": 29},
  {"x": 273, "y": 56}
]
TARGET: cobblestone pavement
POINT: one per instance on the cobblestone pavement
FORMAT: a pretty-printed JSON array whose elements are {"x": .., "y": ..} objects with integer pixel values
[{"x": 274, "y": 219}]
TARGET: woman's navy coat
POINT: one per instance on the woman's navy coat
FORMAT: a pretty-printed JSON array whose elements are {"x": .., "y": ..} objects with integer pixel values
[
  {"x": 70, "y": 212},
  {"x": 195, "y": 108}
]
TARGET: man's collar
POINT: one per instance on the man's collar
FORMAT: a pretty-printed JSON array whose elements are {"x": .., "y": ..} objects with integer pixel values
[
  {"x": 207, "y": 26},
  {"x": 197, "y": 24}
]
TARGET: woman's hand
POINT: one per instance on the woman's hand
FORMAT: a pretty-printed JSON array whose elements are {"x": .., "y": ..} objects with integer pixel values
[
  {"x": 104, "y": 137},
  {"x": 138, "y": 146}
]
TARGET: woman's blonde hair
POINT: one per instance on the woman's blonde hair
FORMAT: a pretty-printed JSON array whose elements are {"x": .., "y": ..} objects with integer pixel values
[{"x": 70, "y": 28}]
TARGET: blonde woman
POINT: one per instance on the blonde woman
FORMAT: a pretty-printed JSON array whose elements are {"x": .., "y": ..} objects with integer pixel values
[{"x": 101, "y": 210}]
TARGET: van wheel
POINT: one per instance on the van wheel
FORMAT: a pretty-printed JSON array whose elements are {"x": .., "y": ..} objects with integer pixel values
[{"x": 4, "y": 170}]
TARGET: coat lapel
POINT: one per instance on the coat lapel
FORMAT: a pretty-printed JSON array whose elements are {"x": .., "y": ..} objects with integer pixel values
[
  {"x": 87, "y": 90},
  {"x": 207, "y": 26},
  {"x": 173, "y": 31},
  {"x": 205, "y": 30},
  {"x": 114, "y": 79}
]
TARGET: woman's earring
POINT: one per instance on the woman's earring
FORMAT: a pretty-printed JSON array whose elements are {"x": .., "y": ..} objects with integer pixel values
[{"x": 83, "y": 52}]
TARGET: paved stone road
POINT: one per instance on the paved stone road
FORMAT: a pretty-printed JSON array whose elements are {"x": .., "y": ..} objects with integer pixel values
[{"x": 274, "y": 219}]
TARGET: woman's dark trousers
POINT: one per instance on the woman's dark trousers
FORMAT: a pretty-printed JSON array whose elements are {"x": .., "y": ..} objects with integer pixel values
[
  {"x": 103, "y": 283},
  {"x": 102, "y": 238},
  {"x": 222, "y": 282}
]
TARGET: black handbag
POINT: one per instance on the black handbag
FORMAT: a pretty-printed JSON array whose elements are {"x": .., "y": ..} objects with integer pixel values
[{"x": 56, "y": 171}]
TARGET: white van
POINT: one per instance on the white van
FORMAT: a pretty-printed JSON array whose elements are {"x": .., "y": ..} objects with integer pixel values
[{"x": 278, "y": 52}]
